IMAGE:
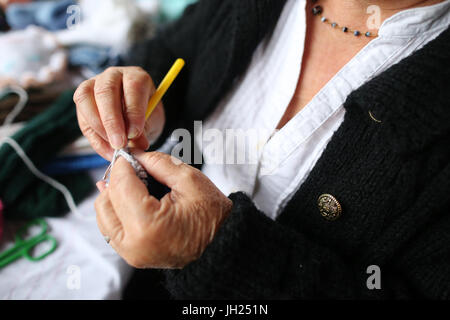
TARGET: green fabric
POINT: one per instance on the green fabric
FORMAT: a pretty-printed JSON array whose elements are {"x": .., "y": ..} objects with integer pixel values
[{"x": 23, "y": 194}]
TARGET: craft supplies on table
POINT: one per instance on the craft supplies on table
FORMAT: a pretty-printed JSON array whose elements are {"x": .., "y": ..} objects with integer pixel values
[
  {"x": 24, "y": 194},
  {"x": 25, "y": 245},
  {"x": 82, "y": 267}
]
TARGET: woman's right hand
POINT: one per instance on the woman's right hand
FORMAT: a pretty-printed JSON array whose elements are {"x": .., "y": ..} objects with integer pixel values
[{"x": 111, "y": 109}]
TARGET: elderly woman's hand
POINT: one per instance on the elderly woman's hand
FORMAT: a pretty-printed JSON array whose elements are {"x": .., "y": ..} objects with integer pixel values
[
  {"x": 111, "y": 109},
  {"x": 168, "y": 233}
]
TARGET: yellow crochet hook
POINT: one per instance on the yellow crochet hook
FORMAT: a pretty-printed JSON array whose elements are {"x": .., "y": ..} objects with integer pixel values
[
  {"x": 164, "y": 86},
  {"x": 156, "y": 98}
]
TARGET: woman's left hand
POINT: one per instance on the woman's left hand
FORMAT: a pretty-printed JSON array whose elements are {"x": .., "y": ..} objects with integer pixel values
[{"x": 168, "y": 233}]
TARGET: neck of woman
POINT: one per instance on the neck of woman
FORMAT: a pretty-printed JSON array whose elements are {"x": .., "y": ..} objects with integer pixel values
[{"x": 361, "y": 14}]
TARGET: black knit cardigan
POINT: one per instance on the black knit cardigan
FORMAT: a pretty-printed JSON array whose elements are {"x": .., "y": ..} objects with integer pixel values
[{"x": 391, "y": 178}]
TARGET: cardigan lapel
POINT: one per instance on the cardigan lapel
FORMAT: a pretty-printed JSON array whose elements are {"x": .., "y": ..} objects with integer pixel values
[{"x": 412, "y": 105}]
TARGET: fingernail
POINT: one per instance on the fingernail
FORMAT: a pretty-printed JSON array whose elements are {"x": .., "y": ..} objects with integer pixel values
[
  {"x": 133, "y": 132},
  {"x": 101, "y": 185},
  {"x": 117, "y": 141}
]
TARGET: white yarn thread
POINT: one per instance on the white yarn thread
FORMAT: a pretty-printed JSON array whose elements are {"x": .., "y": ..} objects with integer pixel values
[
  {"x": 23, "y": 98},
  {"x": 125, "y": 153},
  {"x": 55, "y": 184}
]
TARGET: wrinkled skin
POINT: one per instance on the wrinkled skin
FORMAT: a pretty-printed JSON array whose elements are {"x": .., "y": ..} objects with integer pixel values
[
  {"x": 168, "y": 233},
  {"x": 146, "y": 232},
  {"x": 111, "y": 109}
]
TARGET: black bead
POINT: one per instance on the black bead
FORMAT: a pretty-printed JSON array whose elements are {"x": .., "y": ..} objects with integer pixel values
[
  {"x": 345, "y": 29},
  {"x": 317, "y": 10},
  {"x": 357, "y": 33}
]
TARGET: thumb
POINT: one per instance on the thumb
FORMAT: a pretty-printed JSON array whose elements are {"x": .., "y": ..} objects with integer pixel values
[{"x": 166, "y": 169}]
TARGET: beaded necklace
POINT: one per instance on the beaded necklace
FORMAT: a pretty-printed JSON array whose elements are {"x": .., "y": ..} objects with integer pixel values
[{"x": 317, "y": 10}]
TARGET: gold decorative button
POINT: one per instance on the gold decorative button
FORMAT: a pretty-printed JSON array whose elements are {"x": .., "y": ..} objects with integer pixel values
[{"x": 329, "y": 207}]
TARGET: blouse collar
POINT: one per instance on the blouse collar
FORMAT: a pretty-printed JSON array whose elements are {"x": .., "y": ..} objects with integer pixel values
[{"x": 411, "y": 22}]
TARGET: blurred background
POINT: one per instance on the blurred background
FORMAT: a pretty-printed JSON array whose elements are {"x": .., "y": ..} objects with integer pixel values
[
  {"x": 47, "y": 46},
  {"x": 48, "y": 171}
]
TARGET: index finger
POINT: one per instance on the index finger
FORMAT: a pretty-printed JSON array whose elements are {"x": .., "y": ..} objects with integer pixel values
[
  {"x": 137, "y": 88},
  {"x": 108, "y": 95}
]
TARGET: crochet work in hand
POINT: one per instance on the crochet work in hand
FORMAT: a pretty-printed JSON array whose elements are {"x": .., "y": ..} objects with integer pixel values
[{"x": 125, "y": 153}]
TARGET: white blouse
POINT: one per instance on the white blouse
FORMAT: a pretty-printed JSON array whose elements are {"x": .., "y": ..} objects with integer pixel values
[{"x": 276, "y": 163}]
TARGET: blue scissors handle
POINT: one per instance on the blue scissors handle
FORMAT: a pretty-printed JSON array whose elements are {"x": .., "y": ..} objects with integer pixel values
[{"x": 23, "y": 247}]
